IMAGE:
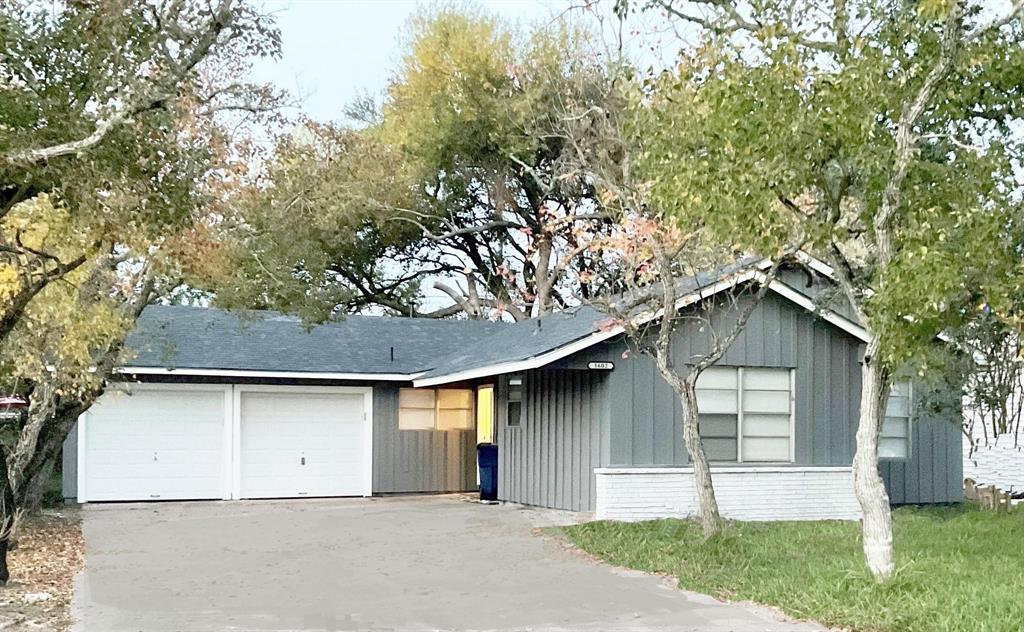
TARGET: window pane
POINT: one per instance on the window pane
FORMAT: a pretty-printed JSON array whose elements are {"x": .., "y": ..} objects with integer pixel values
[
  {"x": 721, "y": 377},
  {"x": 454, "y": 419},
  {"x": 761, "y": 425},
  {"x": 716, "y": 401},
  {"x": 765, "y": 401},
  {"x": 766, "y": 379},
  {"x": 455, "y": 398},
  {"x": 895, "y": 427},
  {"x": 765, "y": 448},
  {"x": 416, "y": 419},
  {"x": 719, "y": 449},
  {"x": 514, "y": 413},
  {"x": 892, "y": 448},
  {"x": 717, "y": 425},
  {"x": 898, "y": 406},
  {"x": 416, "y": 398},
  {"x": 900, "y": 388}
]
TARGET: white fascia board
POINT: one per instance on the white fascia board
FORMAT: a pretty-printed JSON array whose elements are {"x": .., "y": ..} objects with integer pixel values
[
  {"x": 816, "y": 264},
  {"x": 522, "y": 365},
  {"x": 301, "y": 375},
  {"x": 828, "y": 315}
]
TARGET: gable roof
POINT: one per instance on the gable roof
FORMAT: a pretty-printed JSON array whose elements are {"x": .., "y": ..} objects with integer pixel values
[
  {"x": 198, "y": 340},
  {"x": 206, "y": 341},
  {"x": 515, "y": 352}
]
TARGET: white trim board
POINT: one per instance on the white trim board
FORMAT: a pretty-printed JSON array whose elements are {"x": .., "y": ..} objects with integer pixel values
[{"x": 299, "y": 375}]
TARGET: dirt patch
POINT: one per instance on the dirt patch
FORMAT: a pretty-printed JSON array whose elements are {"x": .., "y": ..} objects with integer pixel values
[{"x": 49, "y": 554}]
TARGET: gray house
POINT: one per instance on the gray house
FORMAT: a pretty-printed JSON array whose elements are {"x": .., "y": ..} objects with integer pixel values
[{"x": 220, "y": 406}]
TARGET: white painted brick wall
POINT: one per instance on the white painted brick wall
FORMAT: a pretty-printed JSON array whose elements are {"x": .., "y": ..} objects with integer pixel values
[
  {"x": 1000, "y": 463},
  {"x": 743, "y": 493}
]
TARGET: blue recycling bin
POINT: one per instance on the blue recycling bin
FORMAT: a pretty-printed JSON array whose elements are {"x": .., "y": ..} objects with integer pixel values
[{"x": 487, "y": 460}]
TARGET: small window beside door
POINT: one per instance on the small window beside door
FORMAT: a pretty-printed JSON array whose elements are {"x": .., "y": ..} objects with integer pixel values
[
  {"x": 514, "y": 407},
  {"x": 435, "y": 409}
]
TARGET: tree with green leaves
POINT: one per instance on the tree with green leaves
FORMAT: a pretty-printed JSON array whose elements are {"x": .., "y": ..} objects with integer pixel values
[
  {"x": 114, "y": 169},
  {"x": 459, "y": 180},
  {"x": 881, "y": 132}
]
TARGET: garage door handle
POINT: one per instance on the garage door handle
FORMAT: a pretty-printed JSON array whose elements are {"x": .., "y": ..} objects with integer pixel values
[{"x": 303, "y": 461}]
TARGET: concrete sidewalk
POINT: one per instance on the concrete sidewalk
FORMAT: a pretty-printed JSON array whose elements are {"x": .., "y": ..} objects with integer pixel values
[{"x": 420, "y": 563}]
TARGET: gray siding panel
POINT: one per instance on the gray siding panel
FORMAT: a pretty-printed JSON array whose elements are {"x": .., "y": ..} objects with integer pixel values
[
  {"x": 826, "y": 361},
  {"x": 934, "y": 471},
  {"x": 69, "y": 465},
  {"x": 559, "y": 442},
  {"x": 418, "y": 460}
]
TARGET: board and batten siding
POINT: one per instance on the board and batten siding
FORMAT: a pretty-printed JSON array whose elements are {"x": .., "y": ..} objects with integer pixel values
[
  {"x": 645, "y": 415},
  {"x": 407, "y": 461},
  {"x": 549, "y": 459}
]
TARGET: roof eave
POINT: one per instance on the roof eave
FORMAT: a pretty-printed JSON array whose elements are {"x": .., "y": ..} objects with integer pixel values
[{"x": 247, "y": 373}]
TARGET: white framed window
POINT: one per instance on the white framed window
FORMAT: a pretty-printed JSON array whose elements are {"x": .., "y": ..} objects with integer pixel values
[
  {"x": 746, "y": 414},
  {"x": 514, "y": 406},
  {"x": 894, "y": 440},
  {"x": 435, "y": 409}
]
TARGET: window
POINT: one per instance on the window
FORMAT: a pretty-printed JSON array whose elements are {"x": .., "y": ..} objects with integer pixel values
[
  {"x": 454, "y": 409},
  {"x": 514, "y": 408},
  {"x": 435, "y": 409},
  {"x": 745, "y": 414},
  {"x": 894, "y": 442}
]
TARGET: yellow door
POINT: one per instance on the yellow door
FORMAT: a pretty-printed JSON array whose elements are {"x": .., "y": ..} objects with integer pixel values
[{"x": 485, "y": 414}]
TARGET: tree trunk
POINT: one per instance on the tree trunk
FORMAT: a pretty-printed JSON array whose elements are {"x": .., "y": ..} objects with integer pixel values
[
  {"x": 34, "y": 488},
  {"x": 876, "y": 519},
  {"x": 710, "y": 518},
  {"x": 8, "y": 516},
  {"x": 543, "y": 276},
  {"x": 5, "y": 574}
]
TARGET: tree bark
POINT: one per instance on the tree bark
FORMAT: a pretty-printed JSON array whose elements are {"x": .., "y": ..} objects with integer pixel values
[
  {"x": 543, "y": 276},
  {"x": 876, "y": 515},
  {"x": 9, "y": 516},
  {"x": 34, "y": 488},
  {"x": 710, "y": 518},
  {"x": 5, "y": 573}
]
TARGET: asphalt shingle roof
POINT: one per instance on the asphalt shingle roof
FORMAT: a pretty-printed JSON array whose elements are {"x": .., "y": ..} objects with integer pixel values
[
  {"x": 181, "y": 337},
  {"x": 178, "y": 337},
  {"x": 530, "y": 338}
]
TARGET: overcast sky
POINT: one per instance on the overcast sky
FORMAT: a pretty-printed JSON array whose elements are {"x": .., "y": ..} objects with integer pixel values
[{"x": 333, "y": 50}]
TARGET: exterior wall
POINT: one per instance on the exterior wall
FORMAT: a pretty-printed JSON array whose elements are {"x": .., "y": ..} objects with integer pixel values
[
  {"x": 418, "y": 460},
  {"x": 549, "y": 459},
  {"x": 69, "y": 465},
  {"x": 645, "y": 428},
  {"x": 403, "y": 460},
  {"x": 934, "y": 471},
  {"x": 1001, "y": 463},
  {"x": 743, "y": 493}
]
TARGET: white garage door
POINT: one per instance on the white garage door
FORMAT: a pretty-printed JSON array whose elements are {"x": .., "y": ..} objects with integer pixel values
[
  {"x": 155, "y": 445},
  {"x": 302, "y": 444}
]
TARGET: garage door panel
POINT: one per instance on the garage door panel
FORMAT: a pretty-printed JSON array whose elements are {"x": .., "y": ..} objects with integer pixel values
[
  {"x": 302, "y": 444},
  {"x": 156, "y": 444}
]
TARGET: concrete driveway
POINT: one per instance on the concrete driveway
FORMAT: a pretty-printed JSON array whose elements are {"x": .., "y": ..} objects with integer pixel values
[{"x": 424, "y": 563}]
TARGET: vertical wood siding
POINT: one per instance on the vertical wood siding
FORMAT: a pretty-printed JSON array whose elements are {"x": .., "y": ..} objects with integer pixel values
[
  {"x": 645, "y": 416},
  {"x": 418, "y": 460},
  {"x": 549, "y": 459}
]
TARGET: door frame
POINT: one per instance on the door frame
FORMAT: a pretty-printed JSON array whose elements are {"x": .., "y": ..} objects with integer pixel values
[
  {"x": 127, "y": 388},
  {"x": 236, "y": 425}
]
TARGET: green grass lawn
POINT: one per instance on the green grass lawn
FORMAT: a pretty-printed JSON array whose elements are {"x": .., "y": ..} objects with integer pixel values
[{"x": 958, "y": 568}]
